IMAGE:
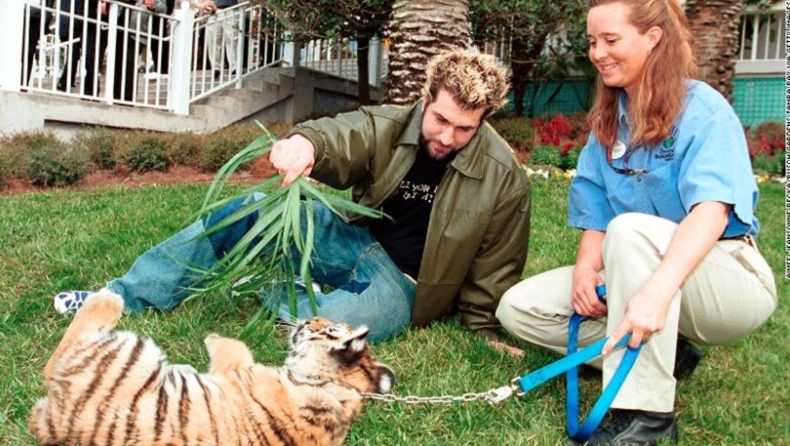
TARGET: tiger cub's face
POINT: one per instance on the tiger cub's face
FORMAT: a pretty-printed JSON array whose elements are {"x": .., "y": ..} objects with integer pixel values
[{"x": 320, "y": 348}]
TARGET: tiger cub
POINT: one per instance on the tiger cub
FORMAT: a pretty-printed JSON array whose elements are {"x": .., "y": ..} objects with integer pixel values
[{"x": 115, "y": 388}]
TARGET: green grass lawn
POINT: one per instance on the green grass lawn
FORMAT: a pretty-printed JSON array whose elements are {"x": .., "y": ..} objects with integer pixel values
[{"x": 64, "y": 240}]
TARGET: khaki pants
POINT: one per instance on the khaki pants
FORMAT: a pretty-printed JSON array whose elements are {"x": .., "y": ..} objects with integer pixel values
[
  {"x": 729, "y": 295},
  {"x": 222, "y": 33}
]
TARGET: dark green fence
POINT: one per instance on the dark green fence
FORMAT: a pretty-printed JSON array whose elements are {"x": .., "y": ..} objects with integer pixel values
[{"x": 757, "y": 99}]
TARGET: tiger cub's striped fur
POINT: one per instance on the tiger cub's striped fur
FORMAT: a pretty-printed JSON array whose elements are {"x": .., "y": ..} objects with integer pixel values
[{"x": 115, "y": 388}]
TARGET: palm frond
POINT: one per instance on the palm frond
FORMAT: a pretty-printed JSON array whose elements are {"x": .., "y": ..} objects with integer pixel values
[{"x": 264, "y": 255}]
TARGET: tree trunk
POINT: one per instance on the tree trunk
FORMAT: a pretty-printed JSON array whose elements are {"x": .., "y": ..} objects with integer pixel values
[
  {"x": 522, "y": 64},
  {"x": 363, "y": 70},
  {"x": 419, "y": 30},
  {"x": 714, "y": 24}
]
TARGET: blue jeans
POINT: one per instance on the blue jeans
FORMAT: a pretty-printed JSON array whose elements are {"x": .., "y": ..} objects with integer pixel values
[{"x": 369, "y": 289}]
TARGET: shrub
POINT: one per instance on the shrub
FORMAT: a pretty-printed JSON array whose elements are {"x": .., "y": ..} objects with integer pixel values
[
  {"x": 223, "y": 144},
  {"x": 766, "y": 148},
  {"x": 773, "y": 165},
  {"x": 769, "y": 138},
  {"x": 546, "y": 155},
  {"x": 552, "y": 131},
  {"x": 517, "y": 131},
  {"x": 8, "y": 158},
  {"x": 279, "y": 128},
  {"x": 580, "y": 127},
  {"x": 571, "y": 158},
  {"x": 5, "y": 167},
  {"x": 100, "y": 146},
  {"x": 185, "y": 148},
  {"x": 17, "y": 150},
  {"x": 57, "y": 164},
  {"x": 773, "y": 130},
  {"x": 146, "y": 152}
]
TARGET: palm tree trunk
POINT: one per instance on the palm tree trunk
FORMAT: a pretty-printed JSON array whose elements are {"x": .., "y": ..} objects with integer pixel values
[
  {"x": 419, "y": 30},
  {"x": 363, "y": 69},
  {"x": 714, "y": 24}
]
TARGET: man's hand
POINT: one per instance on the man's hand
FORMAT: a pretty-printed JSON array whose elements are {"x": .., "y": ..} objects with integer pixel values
[
  {"x": 206, "y": 5},
  {"x": 514, "y": 352},
  {"x": 293, "y": 157}
]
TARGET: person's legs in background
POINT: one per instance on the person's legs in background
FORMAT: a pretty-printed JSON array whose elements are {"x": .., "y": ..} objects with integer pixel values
[
  {"x": 212, "y": 45},
  {"x": 35, "y": 21},
  {"x": 125, "y": 62},
  {"x": 230, "y": 38},
  {"x": 93, "y": 51},
  {"x": 160, "y": 48}
]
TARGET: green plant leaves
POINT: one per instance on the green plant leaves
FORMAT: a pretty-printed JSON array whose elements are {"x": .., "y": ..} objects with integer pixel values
[{"x": 283, "y": 230}]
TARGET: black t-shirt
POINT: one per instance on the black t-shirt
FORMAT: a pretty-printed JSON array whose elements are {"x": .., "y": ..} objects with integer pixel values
[{"x": 403, "y": 236}]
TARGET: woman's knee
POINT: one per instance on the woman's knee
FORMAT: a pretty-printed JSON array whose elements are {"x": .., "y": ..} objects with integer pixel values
[
  {"x": 625, "y": 226},
  {"x": 514, "y": 307},
  {"x": 631, "y": 229}
]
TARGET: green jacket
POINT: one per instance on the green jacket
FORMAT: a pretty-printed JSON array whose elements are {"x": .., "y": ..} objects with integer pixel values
[{"x": 477, "y": 240}]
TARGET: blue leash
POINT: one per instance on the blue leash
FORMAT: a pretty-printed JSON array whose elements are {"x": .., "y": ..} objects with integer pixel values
[{"x": 569, "y": 365}]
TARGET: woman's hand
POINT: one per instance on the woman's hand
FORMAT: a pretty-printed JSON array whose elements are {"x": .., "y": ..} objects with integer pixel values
[
  {"x": 645, "y": 314},
  {"x": 583, "y": 296},
  {"x": 585, "y": 275}
]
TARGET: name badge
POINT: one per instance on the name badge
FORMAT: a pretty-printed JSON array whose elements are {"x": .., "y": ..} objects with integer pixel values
[{"x": 618, "y": 150}]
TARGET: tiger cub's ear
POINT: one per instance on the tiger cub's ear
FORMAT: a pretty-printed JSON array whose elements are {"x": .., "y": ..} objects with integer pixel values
[
  {"x": 349, "y": 349},
  {"x": 386, "y": 379}
]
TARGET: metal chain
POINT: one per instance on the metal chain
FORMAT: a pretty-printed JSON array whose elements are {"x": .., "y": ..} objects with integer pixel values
[{"x": 492, "y": 396}]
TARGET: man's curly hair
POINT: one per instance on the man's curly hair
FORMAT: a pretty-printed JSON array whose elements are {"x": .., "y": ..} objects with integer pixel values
[{"x": 472, "y": 78}]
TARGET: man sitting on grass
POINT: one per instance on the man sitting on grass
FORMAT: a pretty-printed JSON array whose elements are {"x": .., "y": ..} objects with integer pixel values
[{"x": 458, "y": 201}]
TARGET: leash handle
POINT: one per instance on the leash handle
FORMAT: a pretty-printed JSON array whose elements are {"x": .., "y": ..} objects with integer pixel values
[
  {"x": 584, "y": 432},
  {"x": 569, "y": 365},
  {"x": 573, "y": 358},
  {"x": 600, "y": 291},
  {"x": 563, "y": 365}
]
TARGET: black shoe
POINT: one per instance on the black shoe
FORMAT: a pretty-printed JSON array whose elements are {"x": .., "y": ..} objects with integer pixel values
[
  {"x": 216, "y": 75},
  {"x": 687, "y": 357},
  {"x": 636, "y": 427}
]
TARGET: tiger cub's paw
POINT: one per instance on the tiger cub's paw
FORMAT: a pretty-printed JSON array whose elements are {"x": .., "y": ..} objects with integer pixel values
[{"x": 227, "y": 354}]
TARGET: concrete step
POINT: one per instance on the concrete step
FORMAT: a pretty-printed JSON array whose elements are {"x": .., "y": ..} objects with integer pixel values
[{"x": 259, "y": 91}]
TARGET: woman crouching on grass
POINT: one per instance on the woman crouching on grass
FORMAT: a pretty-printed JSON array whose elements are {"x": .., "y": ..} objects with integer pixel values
[{"x": 665, "y": 196}]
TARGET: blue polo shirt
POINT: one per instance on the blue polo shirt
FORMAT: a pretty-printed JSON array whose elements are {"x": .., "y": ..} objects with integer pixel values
[{"x": 704, "y": 159}]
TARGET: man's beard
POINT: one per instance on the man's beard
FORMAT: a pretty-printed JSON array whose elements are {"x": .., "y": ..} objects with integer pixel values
[
  {"x": 424, "y": 145},
  {"x": 444, "y": 156}
]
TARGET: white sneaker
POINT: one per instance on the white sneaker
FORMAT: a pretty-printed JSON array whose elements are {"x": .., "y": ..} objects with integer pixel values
[{"x": 71, "y": 301}]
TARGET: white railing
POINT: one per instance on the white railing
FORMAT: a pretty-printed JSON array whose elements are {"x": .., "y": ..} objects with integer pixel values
[
  {"x": 762, "y": 41},
  {"x": 245, "y": 39},
  {"x": 339, "y": 57},
  {"x": 97, "y": 55}
]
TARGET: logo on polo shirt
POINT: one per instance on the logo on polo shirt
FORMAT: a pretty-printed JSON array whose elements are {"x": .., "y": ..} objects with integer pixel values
[{"x": 666, "y": 151}]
